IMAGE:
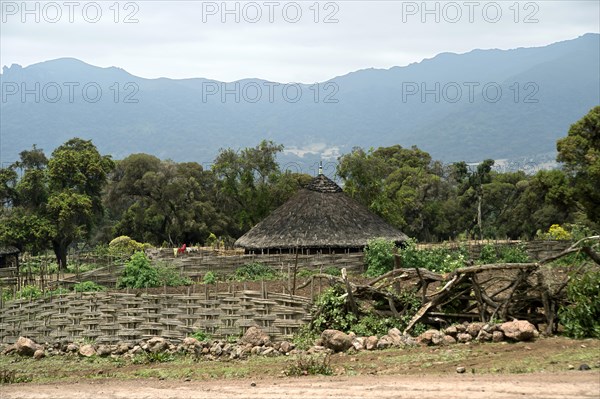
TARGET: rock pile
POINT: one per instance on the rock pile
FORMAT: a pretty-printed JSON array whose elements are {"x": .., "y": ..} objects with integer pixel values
[{"x": 256, "y": 342}]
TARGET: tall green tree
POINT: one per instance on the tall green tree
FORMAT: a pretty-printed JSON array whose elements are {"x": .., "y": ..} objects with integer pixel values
[
  {"x": 580, "y": 154},
  {"x": 77, "y": 173}
]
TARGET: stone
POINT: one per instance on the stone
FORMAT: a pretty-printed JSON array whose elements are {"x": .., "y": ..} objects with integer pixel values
[
  {"x": 484, "y": 336},
  {"x": 285, "y": 347},
  {"x": 256, "y": 337},
  {"x": 87, "y": 350},
  {"x": 371, "y": 343},
  {"x": 497, "y": 336},
  {"x": 384, "y": 342},
  {"x": 451, "y": 331},
  {"x": 449, "y": 340},
  {"x": 431, "y": 337},
  {"x": 584, "y": 367},
  {"x": 358, "y": 343},
  {"x": 519, "y": 330},
  {"x": 136, "y": 350},
  {"x": 39, "y": 354},
  {"x": 103, "y": 350},
  {"x": 460, "y": 370},
  {"x": 335, "y": 340},
  {"x": 72, "y": 348},
  {"x": 464, "y": 337},
  {"x": 26, "y": 347},
  {"x": 269, "y": 352},
  {"x": 474, "y": 328},
  {"x": 8, "y": 350},
  {"x": 157, "y": 345},
  {"x": 122, "y": 348}
]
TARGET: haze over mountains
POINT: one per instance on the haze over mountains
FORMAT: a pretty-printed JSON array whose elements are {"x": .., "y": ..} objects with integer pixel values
[{"x": 482, "y": 104}]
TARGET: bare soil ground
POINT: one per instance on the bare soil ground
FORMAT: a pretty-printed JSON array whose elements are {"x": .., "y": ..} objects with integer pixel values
[
  {"x": 539, "y": 369},
  {"x": 539, "y": 385}
]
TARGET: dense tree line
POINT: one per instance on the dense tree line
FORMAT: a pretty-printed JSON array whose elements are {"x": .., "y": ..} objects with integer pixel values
[{"x": 79, "y": 195}]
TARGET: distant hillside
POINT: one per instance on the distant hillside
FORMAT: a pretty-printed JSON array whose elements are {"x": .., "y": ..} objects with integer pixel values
[{"x": 531, "y": 97}]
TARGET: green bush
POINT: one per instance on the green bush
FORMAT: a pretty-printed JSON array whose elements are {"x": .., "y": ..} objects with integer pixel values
[
  {"x": 332, "y": 270},
  {"x": 379, "y": 257},
  {"x": 29, "y": 292},
  {"x": 139, "y": 273},
  {"x": 310, "y": 365},
  {"x": 514, "y": 254},
  {"x": 210, "y": 278},
  {"x": 124, "y": 245},
  {"x": 168, "y": 275},
  {"x": 439, "y": 260},
  {"x": 88, "y": 286},
  {"x": 201, "y": 336},
  {"x": 488, "y": 254},
  {"x": 581, "y": 316},
  {"x": 255, "y": 271},
  {"x": 332, "y": 311}
]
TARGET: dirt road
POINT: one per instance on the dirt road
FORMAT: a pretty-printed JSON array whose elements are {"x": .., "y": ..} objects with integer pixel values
[{"x": 571, "y": 385}]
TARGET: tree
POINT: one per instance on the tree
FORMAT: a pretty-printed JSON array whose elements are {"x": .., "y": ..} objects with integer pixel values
[
  {"x": 580, "y": 154},
  {"x": 77, "y": 174},
  {"x": 250, "y": 184}
]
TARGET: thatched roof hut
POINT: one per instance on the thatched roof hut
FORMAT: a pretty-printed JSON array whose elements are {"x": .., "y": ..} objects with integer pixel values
[
  {"x": 319, "y": 217},
  {"x": 6, "y": 253}
]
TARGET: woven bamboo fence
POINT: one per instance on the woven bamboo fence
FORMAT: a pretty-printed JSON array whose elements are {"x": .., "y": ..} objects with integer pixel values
[{"x": 109, "y": 318}]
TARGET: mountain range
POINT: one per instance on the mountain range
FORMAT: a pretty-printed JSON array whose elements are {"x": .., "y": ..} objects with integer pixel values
[{"x": 499, "y": 104}]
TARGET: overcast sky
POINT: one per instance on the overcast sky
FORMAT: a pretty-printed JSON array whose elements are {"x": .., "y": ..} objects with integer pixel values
[{"x": 284, "y": 41}]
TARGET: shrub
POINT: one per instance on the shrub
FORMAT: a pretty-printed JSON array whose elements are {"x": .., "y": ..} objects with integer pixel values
[
  {"x": 212, "y": 240},
  {"x": 332, "y": 311},
  {"x": 488, "y": 254},
  {"x": 29, "y": 292},
  {"x": 168, "y": 275},
  {"x": 255, "y": 271},
  {"x": 514, "y": 254},
  {"x": 124, "y": 245},
  {"x": 210, "y": 278},
  {"x": 201, "y": 336},
  {"x": 379, "y": 257},
  {"x": 581, "y": 316},
  {"x": 310, "y": 365},
  {"x": 439, "y": 260},
  {"x": 139, "y": 273},
  {"x": 556, "y": 232},
  {"x": 332, "y": 270},
  {"x": 88, "y": 286}
]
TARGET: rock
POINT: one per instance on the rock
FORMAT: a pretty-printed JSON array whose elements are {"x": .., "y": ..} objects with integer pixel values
[
  {"x": 519, "y": 330},
  {"x": 460, "y": 370},
  {"x": 317, "y": 349},
  {"x": 26, "y": 347},
  {"x": 157, "y": 345},
  {"x": 122, "y": 348},
  {"x": 358, "y": 343},
  {"x": 190, "y": 341},
  {"x": 571, "y": 367},
  {"x": 474, "y": 328},
  {"x": 72, "y": 348},
  {"x": 584, "y": 367},
  {"x": 431, "y": 337},
  {"x": 460, "y": 328},
  {"x": 8, "y": 350},
  {"x": 335, "y": 340},
  {"x": 269, "y": 352},
  {"x": 103, "y": 350},
  {"x": 39, "y": 354},
  {"x": 384, "y": 342},
  {"x": 464, "y": 337},
  {"x": 371, "y": 343},
  {"x": 256, "y": 337},
  {"x": 87, "y": 350},
  {"x": 449, "y": 340},
  {"x": 285, "y": 347},
  {"x": 497, "y": 336},
  {"x": 451, "y": 331},
  {"x": 136, "y": 350},
  {"x": 484, "y": 336}
]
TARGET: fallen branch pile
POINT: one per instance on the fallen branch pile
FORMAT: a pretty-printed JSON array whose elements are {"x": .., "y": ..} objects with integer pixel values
[{"x": 499, "y": 292}]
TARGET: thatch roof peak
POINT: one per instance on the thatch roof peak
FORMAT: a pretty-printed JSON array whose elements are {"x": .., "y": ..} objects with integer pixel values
[
  {"x": 8, "y": 250},
  {"x": 319, "y": 216},
  {"x": 323, "y": 184}
]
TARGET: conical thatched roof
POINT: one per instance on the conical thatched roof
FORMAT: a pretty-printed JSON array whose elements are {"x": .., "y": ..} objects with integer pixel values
[
  {"x": 319, "y": 216},
  {"x": 8, "y": 250}
]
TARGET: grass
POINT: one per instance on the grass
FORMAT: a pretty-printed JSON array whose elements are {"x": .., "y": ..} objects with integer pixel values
[{"x": 547, "y": 355}]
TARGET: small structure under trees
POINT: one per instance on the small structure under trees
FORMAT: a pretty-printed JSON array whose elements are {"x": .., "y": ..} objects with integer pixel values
[{"x": 320, "y": 217}]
